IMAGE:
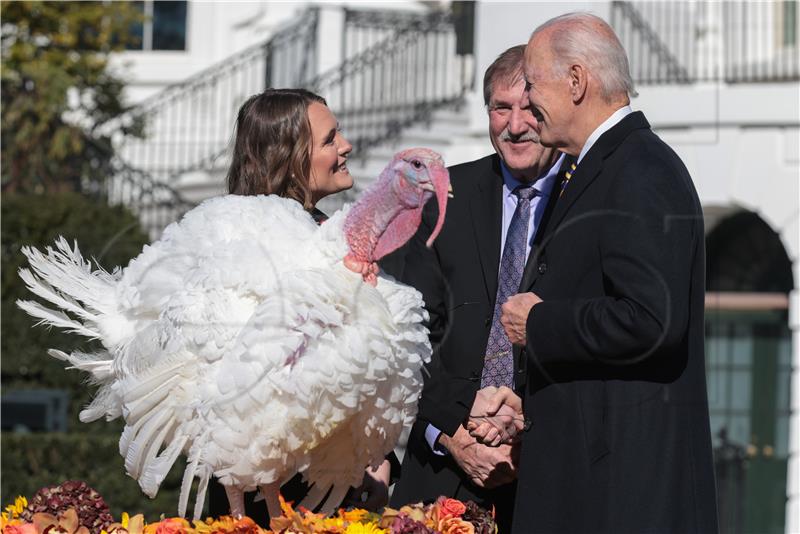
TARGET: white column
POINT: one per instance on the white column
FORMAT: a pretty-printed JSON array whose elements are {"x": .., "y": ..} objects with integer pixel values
[{"x": 330, "y": 28}]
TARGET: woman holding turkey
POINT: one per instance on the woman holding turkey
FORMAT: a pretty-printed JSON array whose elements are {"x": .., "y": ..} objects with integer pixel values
[{"x": 288, "y": 143}]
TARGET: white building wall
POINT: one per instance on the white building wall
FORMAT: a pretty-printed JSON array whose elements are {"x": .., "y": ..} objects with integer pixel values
[
  {"x": 219, "y": 29},
  {"x": 739, "y": 142},
  {"x": 501, "y": 25},
  {"x": 214, "y": 31}
]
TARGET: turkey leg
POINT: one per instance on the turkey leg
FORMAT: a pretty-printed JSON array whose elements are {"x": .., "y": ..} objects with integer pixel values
[
  {"x": 271, "y": 493},
  {"x": 236, "y": 501}
]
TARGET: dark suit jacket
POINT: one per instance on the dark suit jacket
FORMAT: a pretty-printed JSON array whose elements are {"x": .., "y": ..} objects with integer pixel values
[
  {"x": 458, "y": 280},
  {"x": 616, "y": 387}
]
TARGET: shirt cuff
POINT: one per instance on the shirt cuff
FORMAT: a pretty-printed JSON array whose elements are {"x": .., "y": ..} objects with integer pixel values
[{"x": 431, "y": 436}]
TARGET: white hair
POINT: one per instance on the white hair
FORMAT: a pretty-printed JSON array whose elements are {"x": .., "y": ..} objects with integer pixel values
[{"x": 588, "y": 40}]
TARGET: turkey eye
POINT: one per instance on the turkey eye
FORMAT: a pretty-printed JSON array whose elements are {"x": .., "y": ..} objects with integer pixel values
[{"x": 416, "y": 164}]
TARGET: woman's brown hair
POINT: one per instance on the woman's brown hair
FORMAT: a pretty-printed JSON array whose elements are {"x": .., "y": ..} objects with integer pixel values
[{"x": 272, "y": 150}]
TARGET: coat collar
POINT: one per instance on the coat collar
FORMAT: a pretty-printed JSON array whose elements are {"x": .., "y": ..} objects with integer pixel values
[
  {"x": 592, "y": 163},
  {"x": 587, "y": 171}
]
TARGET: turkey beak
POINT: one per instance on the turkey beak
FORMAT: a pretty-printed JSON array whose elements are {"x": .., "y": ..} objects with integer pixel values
[
  {"x": 441, "y": 186},
  {"x": 427, "y": 186}
]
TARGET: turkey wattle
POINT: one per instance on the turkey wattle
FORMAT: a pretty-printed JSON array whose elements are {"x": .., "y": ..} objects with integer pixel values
[{"x": 241, "y": 340}]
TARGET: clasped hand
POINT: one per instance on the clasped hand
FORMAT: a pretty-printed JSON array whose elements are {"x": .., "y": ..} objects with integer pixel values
[
  {"x": 489, "y": 456},
  {"x": 496, "y": 417}
]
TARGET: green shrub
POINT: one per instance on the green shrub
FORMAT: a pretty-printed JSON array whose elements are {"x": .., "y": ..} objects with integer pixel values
[
  {"x": 112, "y": 236},
  {"x": 32, "y": 461}
]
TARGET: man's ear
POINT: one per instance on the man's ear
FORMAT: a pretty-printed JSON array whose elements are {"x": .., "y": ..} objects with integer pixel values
[{"x": 578, "y": 82}]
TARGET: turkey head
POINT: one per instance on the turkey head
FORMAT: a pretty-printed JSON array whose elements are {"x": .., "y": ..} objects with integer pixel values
[{"x": 390, "y": 211}]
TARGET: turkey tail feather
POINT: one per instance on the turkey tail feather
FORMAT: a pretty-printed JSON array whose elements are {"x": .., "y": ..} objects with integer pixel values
[
  {"x": 186, "y": 486},
  {"x": 202, "y": 486},
  {"x": 146, "y": 436},
  {"x": 97, "y": 364},
  {"x": 53, "y": 317},
  {"x": 314, "y": 497},
  {"x": 105, "y": 403},
  {"x": 85, "y": 301},
  {"x": 335, "y": 498},
  {"x": 158, "y": 467},
  {"x": 193, "y": 468}
]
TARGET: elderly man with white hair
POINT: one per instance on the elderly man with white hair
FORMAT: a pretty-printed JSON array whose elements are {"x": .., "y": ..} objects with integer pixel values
[{"x": 611, "y": 320}]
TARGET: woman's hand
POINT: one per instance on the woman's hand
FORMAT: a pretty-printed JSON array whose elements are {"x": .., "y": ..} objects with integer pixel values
[
  {"x": 367, "y": 270},
  {"x": 373, "y": 493}
]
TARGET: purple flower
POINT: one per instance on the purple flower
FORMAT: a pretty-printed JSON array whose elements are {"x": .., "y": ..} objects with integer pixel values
[
  {"x": 93, "y": 512},
  {"x": 480, "y": 518},
  {"x": 403, "y": 524}
]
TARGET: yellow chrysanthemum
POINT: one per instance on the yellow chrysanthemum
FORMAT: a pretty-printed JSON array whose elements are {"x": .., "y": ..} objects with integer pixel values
[
  {"x": 365, "y": 528},
  {"x": 14, "y": 510}
]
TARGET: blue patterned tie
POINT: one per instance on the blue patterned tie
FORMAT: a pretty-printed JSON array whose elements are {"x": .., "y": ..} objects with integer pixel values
[{"x": 498, "y": 364}]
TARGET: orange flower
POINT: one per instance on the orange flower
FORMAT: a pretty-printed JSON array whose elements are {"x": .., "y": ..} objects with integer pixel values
[
  {"x": 245, "y": 525},
  {"x": 16, "y": 526},
  {"x": 128, "y": 525},
  {"x": 354, "y": 515},
  {"x": 332, "y": 525},
  {"x": 301, "y": 521},
  {"x": 66, "y": 523},
  {"x": 456, "y": 525},
  {"x": 450, "y": 508},
  {"x": 173, "y": 525},
  {"x": 226, "y": 525}
]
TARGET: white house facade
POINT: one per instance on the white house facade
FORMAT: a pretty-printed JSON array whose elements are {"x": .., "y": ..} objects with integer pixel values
[{"x": 718, "y": 81}]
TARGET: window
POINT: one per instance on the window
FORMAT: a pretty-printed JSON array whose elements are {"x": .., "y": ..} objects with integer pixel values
[
  {"x": 790, "y": 23},
  {"x": 164, "y": 27}
]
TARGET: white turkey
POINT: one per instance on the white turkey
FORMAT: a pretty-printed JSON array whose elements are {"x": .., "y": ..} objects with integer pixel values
[{"x": 241, "y": 340}]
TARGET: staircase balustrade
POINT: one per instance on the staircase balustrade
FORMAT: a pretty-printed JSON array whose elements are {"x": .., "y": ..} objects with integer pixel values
[
  {"x": 398, "y": 80},
  {"x": 397, "y": 67},
  {"x": 189, "y": 124},
  {"x": 155, "y": 203},
  {"x": 687, "y": 42}
]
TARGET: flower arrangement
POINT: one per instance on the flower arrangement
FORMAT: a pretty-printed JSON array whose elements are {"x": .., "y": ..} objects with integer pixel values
[
  {"x": 75, "y": 508},
  {"x": 92, "y": 511}
]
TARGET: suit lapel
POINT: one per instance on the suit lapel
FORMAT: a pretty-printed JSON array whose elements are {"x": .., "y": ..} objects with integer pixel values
[
  {"x": 532, "y": 263},
  {"x": 487, "y": 219},
  {"x": 587, "y": 171},
  {"x": 592, "y": 162}
]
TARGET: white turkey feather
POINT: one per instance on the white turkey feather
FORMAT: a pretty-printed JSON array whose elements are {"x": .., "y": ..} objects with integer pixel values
[{"x": 240, "y": 340}]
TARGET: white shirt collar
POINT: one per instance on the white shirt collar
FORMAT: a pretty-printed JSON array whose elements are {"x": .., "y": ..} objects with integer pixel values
[
  {"x": 543, "y": 185},
  {"x": 607, "y": 124}
]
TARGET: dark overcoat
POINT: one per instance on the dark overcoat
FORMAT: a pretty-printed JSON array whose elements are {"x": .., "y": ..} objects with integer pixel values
[{"x": 615, "y": 388}]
